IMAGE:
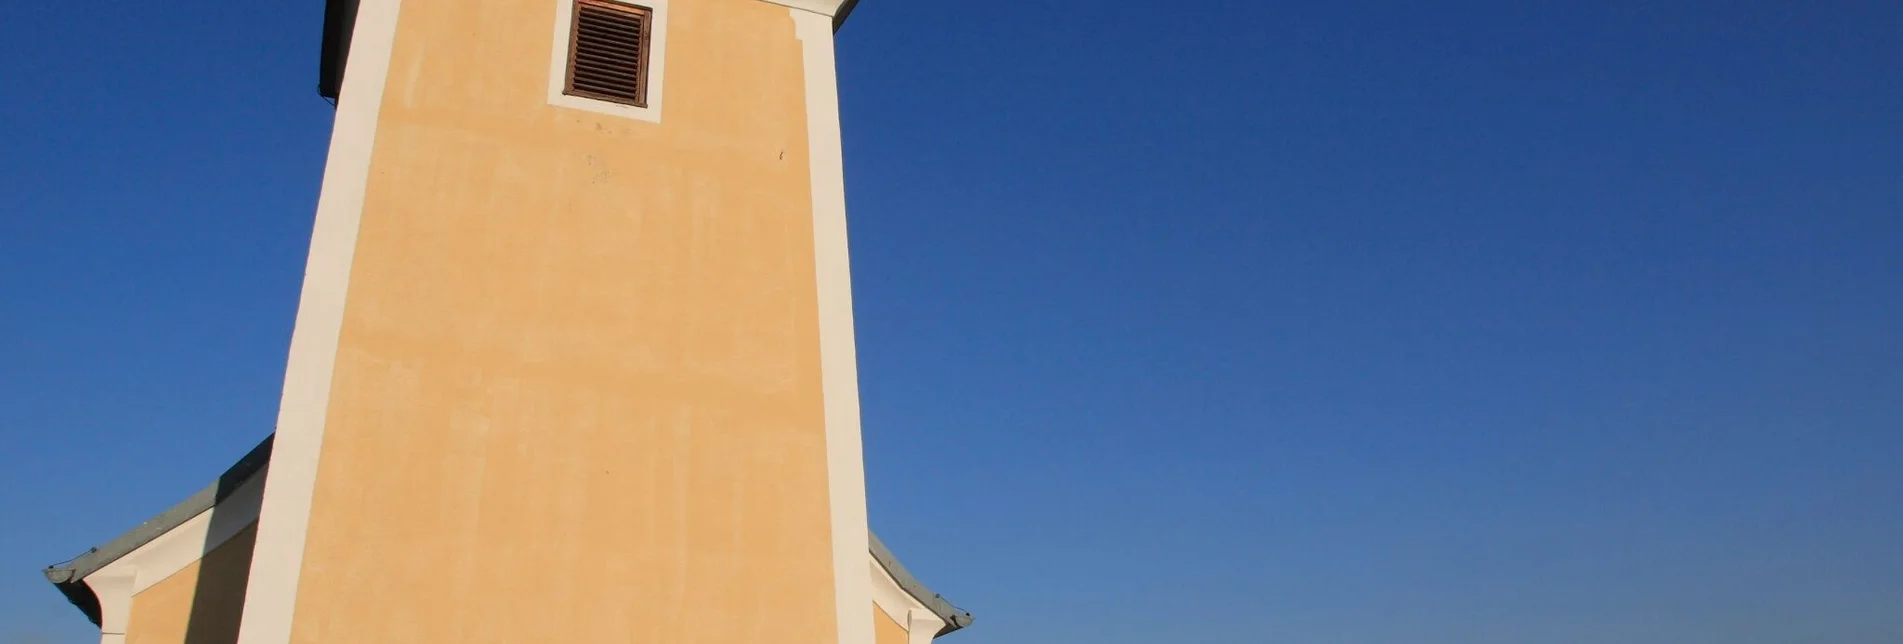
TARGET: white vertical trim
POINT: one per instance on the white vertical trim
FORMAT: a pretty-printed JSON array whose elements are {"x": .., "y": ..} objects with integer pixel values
[
  {"x": 284, "y": 518},
  {"x": 839, "y": 370},
  {"x": 657, "y": 63},
  {"x": 113, "y": 586},
  {"x": 922, "y": 626}
]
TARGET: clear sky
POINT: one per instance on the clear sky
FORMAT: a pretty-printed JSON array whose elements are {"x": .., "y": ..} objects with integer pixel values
[{"x": 1353, "y": 321}]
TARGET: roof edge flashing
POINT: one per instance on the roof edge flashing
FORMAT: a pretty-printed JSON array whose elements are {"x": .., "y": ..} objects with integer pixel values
[{"x": 955, "y": 618}]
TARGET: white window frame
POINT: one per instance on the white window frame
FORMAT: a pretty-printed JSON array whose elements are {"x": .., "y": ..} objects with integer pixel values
[{"x": 656, "y": 71}]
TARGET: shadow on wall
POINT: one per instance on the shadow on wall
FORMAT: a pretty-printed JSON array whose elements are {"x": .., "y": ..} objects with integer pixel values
[{"x": 218, "y": 597}]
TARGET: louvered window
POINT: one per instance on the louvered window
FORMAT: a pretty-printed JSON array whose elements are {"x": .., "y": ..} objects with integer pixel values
[{"x": 608, "y": 52}]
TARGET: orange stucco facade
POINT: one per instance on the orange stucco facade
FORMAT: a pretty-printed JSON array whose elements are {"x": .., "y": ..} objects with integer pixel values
[{"x": 577, "y": 388}]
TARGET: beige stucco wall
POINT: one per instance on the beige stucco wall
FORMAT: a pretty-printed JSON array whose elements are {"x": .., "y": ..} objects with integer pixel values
[
  {"x": 885, "y": 630},
  {"x": 577, "y": 391},
  {"x": 199, "y": 604}
]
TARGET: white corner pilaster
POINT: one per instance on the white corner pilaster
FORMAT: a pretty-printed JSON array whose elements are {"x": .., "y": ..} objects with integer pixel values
[
  {"x": 284, "y": 516},
  {"x": 113, "y": 586},
  {"x": 838, "y": 360},
  {"x": 922, "y": 626}
]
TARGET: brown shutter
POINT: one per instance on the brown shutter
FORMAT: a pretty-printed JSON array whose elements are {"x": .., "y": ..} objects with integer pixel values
[{"x": 608, "y": 52}]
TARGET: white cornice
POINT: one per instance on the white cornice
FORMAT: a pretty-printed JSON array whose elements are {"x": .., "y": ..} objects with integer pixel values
[
  {"x": 920, "y": 623},
  {"x": 828, "y": 8},
  {"x": 890, "y": 597},
  {"x": 184, "y": 545}
]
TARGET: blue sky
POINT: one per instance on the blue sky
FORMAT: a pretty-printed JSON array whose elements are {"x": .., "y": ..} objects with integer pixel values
[{"x": 1469, "y": 322}]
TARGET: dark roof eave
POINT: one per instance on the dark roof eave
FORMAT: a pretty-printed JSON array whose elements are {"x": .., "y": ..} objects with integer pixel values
[
  {"x": 839, "y": 19},
  {"x": 340, "y": 20}
]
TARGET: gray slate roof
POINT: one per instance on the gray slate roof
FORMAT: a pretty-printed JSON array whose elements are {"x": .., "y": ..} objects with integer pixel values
[{"x": 69, "y": 577}]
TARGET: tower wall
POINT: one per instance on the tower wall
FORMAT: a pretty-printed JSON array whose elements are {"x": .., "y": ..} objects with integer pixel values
[{"x": 560, "y": 375}]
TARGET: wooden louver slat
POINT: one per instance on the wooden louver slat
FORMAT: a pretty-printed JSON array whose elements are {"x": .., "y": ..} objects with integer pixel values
[{"x": 607, "y": 52}]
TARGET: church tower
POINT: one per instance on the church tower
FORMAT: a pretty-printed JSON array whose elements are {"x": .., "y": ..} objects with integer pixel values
[
  {"x": 574, "y": 356},
  {"x": 573, "y": 361}
]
